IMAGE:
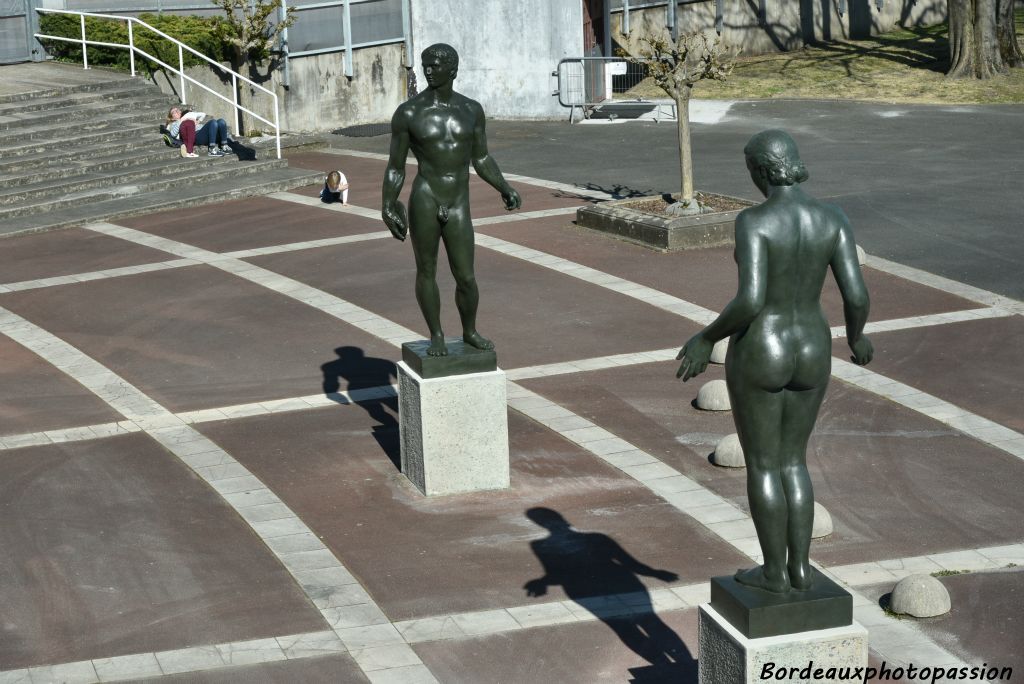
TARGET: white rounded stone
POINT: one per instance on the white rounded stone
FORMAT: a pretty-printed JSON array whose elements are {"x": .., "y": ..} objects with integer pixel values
[
  {"x": 822, "y": 526},
  {"x": 920, "y": 596},
  {"x": 862, "y": 256},
  {"x": 719, "y": 350},
  {"x": 714, "y": 396},
  {"x": 729, "y": 453}
]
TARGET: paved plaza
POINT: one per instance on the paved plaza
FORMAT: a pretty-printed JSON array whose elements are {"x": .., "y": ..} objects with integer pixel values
[{"x": 199, "y": 477}]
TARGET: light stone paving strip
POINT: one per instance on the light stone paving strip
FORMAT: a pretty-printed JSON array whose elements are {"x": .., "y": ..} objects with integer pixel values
[
  {"x": 720, "y": 516},
  {"x": 975, "y": 294},
  {"x": 911, "y": 322},
  {"x": 966, "y": 560},
  {"x": 344, "y": 604}
]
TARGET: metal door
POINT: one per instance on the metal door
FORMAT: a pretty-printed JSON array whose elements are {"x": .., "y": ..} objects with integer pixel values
[{"x": 16, "y": 29}]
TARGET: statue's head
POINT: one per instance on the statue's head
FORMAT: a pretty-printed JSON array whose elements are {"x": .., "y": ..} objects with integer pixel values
[
  {"x": 440, "y": 64},
  {"x": 772, "y": 159},
  {"x": 548, "y": 519}
]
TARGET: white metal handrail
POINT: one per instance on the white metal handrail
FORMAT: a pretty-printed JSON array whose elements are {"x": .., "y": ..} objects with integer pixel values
[{"x": 180, "y": 70}]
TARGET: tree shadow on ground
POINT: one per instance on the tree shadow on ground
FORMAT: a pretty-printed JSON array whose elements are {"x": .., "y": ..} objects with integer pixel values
[
  {"x": 361, "y": 374},
  {"x": 616, "y": 190},
  {"x": 602, "y": 577}
]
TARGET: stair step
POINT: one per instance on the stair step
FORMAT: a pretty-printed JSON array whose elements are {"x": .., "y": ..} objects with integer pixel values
[
  {"x": 103, "y": 122},
  {"x": 56, "y": 168},
  {"x": 12, "y": 124},
  {"x": 78, "y": 155},
  {"x": 274, "y": 180},
  {"x": 134, "y": 132},
  {"x": 167, "y": 166},
  {"x": 115, "y": 82},
  {"x": 178, "y": 177},
  {"x": 129, "y": 88}
]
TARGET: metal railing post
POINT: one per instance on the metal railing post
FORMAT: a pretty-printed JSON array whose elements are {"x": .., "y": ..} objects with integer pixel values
[
  {"x": 347, "y": 18},
  {"x": 85, "y": 50},
  {"x": 181, "y": 73},
  {"x": 283, "y": 17},
  {"x": 131, "y": 47},
  {"x": 407, "y": 34},
  {"x": 625, "y": 17},
  {"x": 234, "y": 96},
  {"x": 277, "y": 127}
]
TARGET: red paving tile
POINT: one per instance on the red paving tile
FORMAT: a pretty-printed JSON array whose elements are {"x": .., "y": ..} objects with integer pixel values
[
  {"x": 113, "y": 547},
  {"x": 895, "y": 482},
  {"x": 472, "y": 551},
  {"x": 35, "y": 396},
  {"x": 217, "y": 339},
  {"x": 533, "y": 314},
  {"x": 250, "y": 223},
  {"x": 337, "y": 669},
  {"x": 708, "y": 276},
  {"x": 975, "y": 365},
  {"x": 66, "y": 252}
]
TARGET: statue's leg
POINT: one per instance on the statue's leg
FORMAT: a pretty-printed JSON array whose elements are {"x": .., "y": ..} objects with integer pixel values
[
  {"x": 798, "y": 416},
  {"x": 758, "y": 416},
  {"x": 425, "y": 232},
  {"x": 458, "y": 243}
]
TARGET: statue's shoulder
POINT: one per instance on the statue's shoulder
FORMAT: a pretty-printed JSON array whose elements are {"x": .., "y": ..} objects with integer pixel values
[{"x": 469, "y": 104}]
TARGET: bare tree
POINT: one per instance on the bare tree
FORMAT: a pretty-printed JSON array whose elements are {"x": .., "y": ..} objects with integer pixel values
[
  {"x": 676, "y": 66},
  {"x": 982, "y": 38},
  {"x": 248, "y": 29}
]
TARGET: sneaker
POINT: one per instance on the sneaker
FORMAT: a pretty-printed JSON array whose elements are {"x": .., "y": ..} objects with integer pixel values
[
  {"x": 185, "y": 153},
  {"x": 226, "y": 149}
]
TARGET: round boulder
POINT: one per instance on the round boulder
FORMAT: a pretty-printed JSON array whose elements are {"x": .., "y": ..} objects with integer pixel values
[
  {"x": 714, "y": 396},
  {"x": 920, "y": 596},
  {"x": 719, "y": 350},
  {"x": 822, "y": 526},
  {"x": 729, "y": 453}
]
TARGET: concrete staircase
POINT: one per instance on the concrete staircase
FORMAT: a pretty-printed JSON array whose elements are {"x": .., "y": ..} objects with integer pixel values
[{"x": 92, "y": 151}]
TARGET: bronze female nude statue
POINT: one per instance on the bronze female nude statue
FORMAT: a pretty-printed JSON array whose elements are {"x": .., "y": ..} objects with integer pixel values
[{"x": 779, "y": 358}]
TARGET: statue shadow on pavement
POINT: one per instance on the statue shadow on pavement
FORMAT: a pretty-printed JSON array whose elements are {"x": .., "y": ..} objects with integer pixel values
[
  {"x": 361, "y": 372},
  {"x": 602, "y": 577}
]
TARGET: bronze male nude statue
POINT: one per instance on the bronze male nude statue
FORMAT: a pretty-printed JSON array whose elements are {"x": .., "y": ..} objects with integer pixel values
[
  {"x": 779, "y": 358},
  {"x": 445, "y": 131}
]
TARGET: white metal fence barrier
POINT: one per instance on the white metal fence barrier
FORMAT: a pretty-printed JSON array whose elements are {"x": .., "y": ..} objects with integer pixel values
[
  {"x": 593, "y": 84},
  {"x": 179, "y": 70}
]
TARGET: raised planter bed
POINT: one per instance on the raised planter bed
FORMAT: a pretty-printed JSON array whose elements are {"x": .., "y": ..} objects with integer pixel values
[{"x": 641, "y": 220}]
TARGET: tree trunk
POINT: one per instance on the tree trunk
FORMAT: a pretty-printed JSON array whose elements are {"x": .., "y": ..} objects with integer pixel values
[
  {"x": 685, "y": 152},
  {"x": 973, "y": 44},
  {"x": 1009, "y": 48}
]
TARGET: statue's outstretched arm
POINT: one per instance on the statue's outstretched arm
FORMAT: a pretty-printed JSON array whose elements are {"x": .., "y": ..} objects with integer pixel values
[
  {"x": 751, "y": 258},
  {"x": 485, "y": 165},
  {"x": 856, "y": 302},
  {"x": 392, "y": 211}
]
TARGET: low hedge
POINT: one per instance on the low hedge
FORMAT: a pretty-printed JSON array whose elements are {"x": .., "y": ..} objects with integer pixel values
[{"x": 199, "y": 33}]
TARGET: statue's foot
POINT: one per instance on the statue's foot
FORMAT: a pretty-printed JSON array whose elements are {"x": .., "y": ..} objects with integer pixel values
[
  {"x": 800, "y": 577},
  {"x": 474, "y": 339},
  {"x": 758, "y": 577},
  {"x": 437, "y": 346}
]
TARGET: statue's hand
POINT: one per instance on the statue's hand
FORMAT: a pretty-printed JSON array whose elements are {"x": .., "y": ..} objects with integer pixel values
[
  {"x": 396, "y": 219},
  {"x": 537, "y": 587},
  {"x": 695, "y": 355},
  {"x": 512, "y": 199},
  {"x": 863, "y": 351}
]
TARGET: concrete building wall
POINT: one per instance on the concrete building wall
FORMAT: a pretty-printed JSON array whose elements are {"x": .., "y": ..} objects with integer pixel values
[
  {"x": 320, "y": 96},
  {"x": 507, "y": 49},
  {"x": 792, "y": 24}
]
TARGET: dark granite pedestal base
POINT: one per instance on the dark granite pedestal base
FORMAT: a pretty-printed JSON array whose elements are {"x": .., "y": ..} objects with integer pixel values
[
  {"x": 460, "y": 360},
  {"x": 757, "y": 613}
]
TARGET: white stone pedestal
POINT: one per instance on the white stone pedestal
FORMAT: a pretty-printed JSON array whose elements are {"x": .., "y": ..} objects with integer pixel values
[
  {"x": 725, "y": 655},
  {"x": 454, "y": 431}
]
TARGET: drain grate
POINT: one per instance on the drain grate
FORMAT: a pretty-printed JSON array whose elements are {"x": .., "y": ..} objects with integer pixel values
[{"x": 364, "y": 130}]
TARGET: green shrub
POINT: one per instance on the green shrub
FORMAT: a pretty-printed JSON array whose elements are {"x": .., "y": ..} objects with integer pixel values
[{"x": 200, "y": 33}]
